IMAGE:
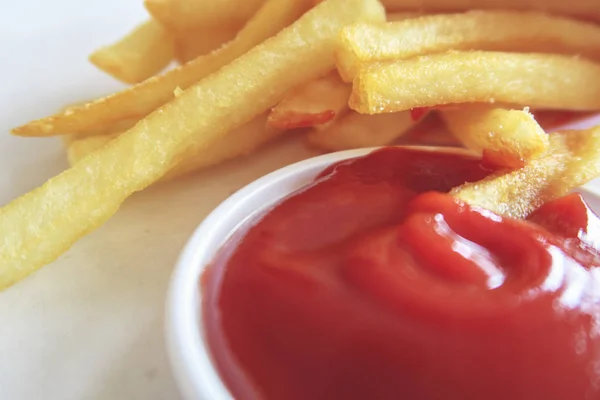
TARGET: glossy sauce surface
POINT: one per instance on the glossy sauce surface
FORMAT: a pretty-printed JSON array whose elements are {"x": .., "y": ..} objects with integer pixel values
[{"x": 371, "y": 283}]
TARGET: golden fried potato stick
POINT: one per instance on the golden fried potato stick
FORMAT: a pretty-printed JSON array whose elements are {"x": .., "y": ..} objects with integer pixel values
[
  {"x": 312, "y": 104},
  {"x": 581, "y": 8},
  {"x": 573, "y": 160},
  {"x": 536, "y": 80},
  {"x": 585, "y": 9},
  {"x": 193, "y": 43},
  {"x": 240, "y": 141},
  {"x": 68, "y": 138},
  {"x": 356, "y": 130},
  {"x": 143, "y": 53},
  {"x": 39, "y": 226},
  {"x": 105, "y": 130},
  {"x": 511, "y": 137},
  {"x": 475, "y": 30},
  {"x": 77, "y": 149},
  {"x": 189, "y": 14},
  {"x": 143, "y": 98}
]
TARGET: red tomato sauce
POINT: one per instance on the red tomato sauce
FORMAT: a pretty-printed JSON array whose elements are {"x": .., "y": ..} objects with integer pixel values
[{"x": 372, "y": 283}]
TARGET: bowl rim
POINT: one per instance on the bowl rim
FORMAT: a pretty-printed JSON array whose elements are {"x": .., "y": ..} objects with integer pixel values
[
  {"x": 189, "y": 355},
  {"x": 193, "y": 369}
]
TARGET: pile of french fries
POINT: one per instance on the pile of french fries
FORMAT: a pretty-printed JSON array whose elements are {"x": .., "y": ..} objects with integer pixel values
[{"x": 348, "y": 73}]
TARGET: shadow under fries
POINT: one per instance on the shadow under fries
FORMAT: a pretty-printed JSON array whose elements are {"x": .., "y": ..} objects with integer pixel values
[{"x": 431, "y": 131}]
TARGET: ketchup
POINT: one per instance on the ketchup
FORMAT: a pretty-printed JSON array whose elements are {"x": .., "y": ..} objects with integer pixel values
[{"x": 373, "y": 283}]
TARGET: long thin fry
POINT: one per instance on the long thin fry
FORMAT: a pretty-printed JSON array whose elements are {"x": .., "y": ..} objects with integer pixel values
[
  {"x": 190, "y": 44},
  {"x": 536, "y": 80},
  {"x": 110, "y": 129},
  {"x": 582, "y": 8},
  {"x": 574, "y": 160},
  {"x": 143, "y": 53},
  {"x": 511, "y": 137},
  {"x": 143, "y": 98},
  {"x": 356, "y": 130},
  {"x": 314, "y": 103},
  {"x": 85, "y": 196},
  {"x": 78, "y": 149},
  {"x": 189, "y": 14},
  {"x": 474, "y": 30},
  {"x": 239, "y": 142}
]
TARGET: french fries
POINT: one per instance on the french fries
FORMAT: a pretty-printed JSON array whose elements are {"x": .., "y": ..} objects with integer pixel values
[
  {"x": 146, "y": 51},
  {"x": 474, "y": 30},
  {"x": 79, "y": 148},
  {"x": 249, "y": 75},
  {"x": 111, "y": 129},
  {"x": 582, "y": 8},
  {"x": 535, "y": 80},
  {"x": 356, "y": 130},
  {"x": 189, "y": 14},
  {"x": 315, "y": 103},
  {"x": 573, "y": 160},
  {"x": 511, "y": 137},
  {"x": 83, "y": 197},
  {"x": 193, "y": 43},
  {"x": 143, "y": 98},
  {"x": 240, "y": 141}
]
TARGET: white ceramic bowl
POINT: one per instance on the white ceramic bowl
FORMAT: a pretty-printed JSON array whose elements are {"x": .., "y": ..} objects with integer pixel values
[{"x": 191, "y": 361}]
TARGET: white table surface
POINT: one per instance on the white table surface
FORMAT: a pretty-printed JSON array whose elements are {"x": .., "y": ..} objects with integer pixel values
[{"x": 90, "y": 325}]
